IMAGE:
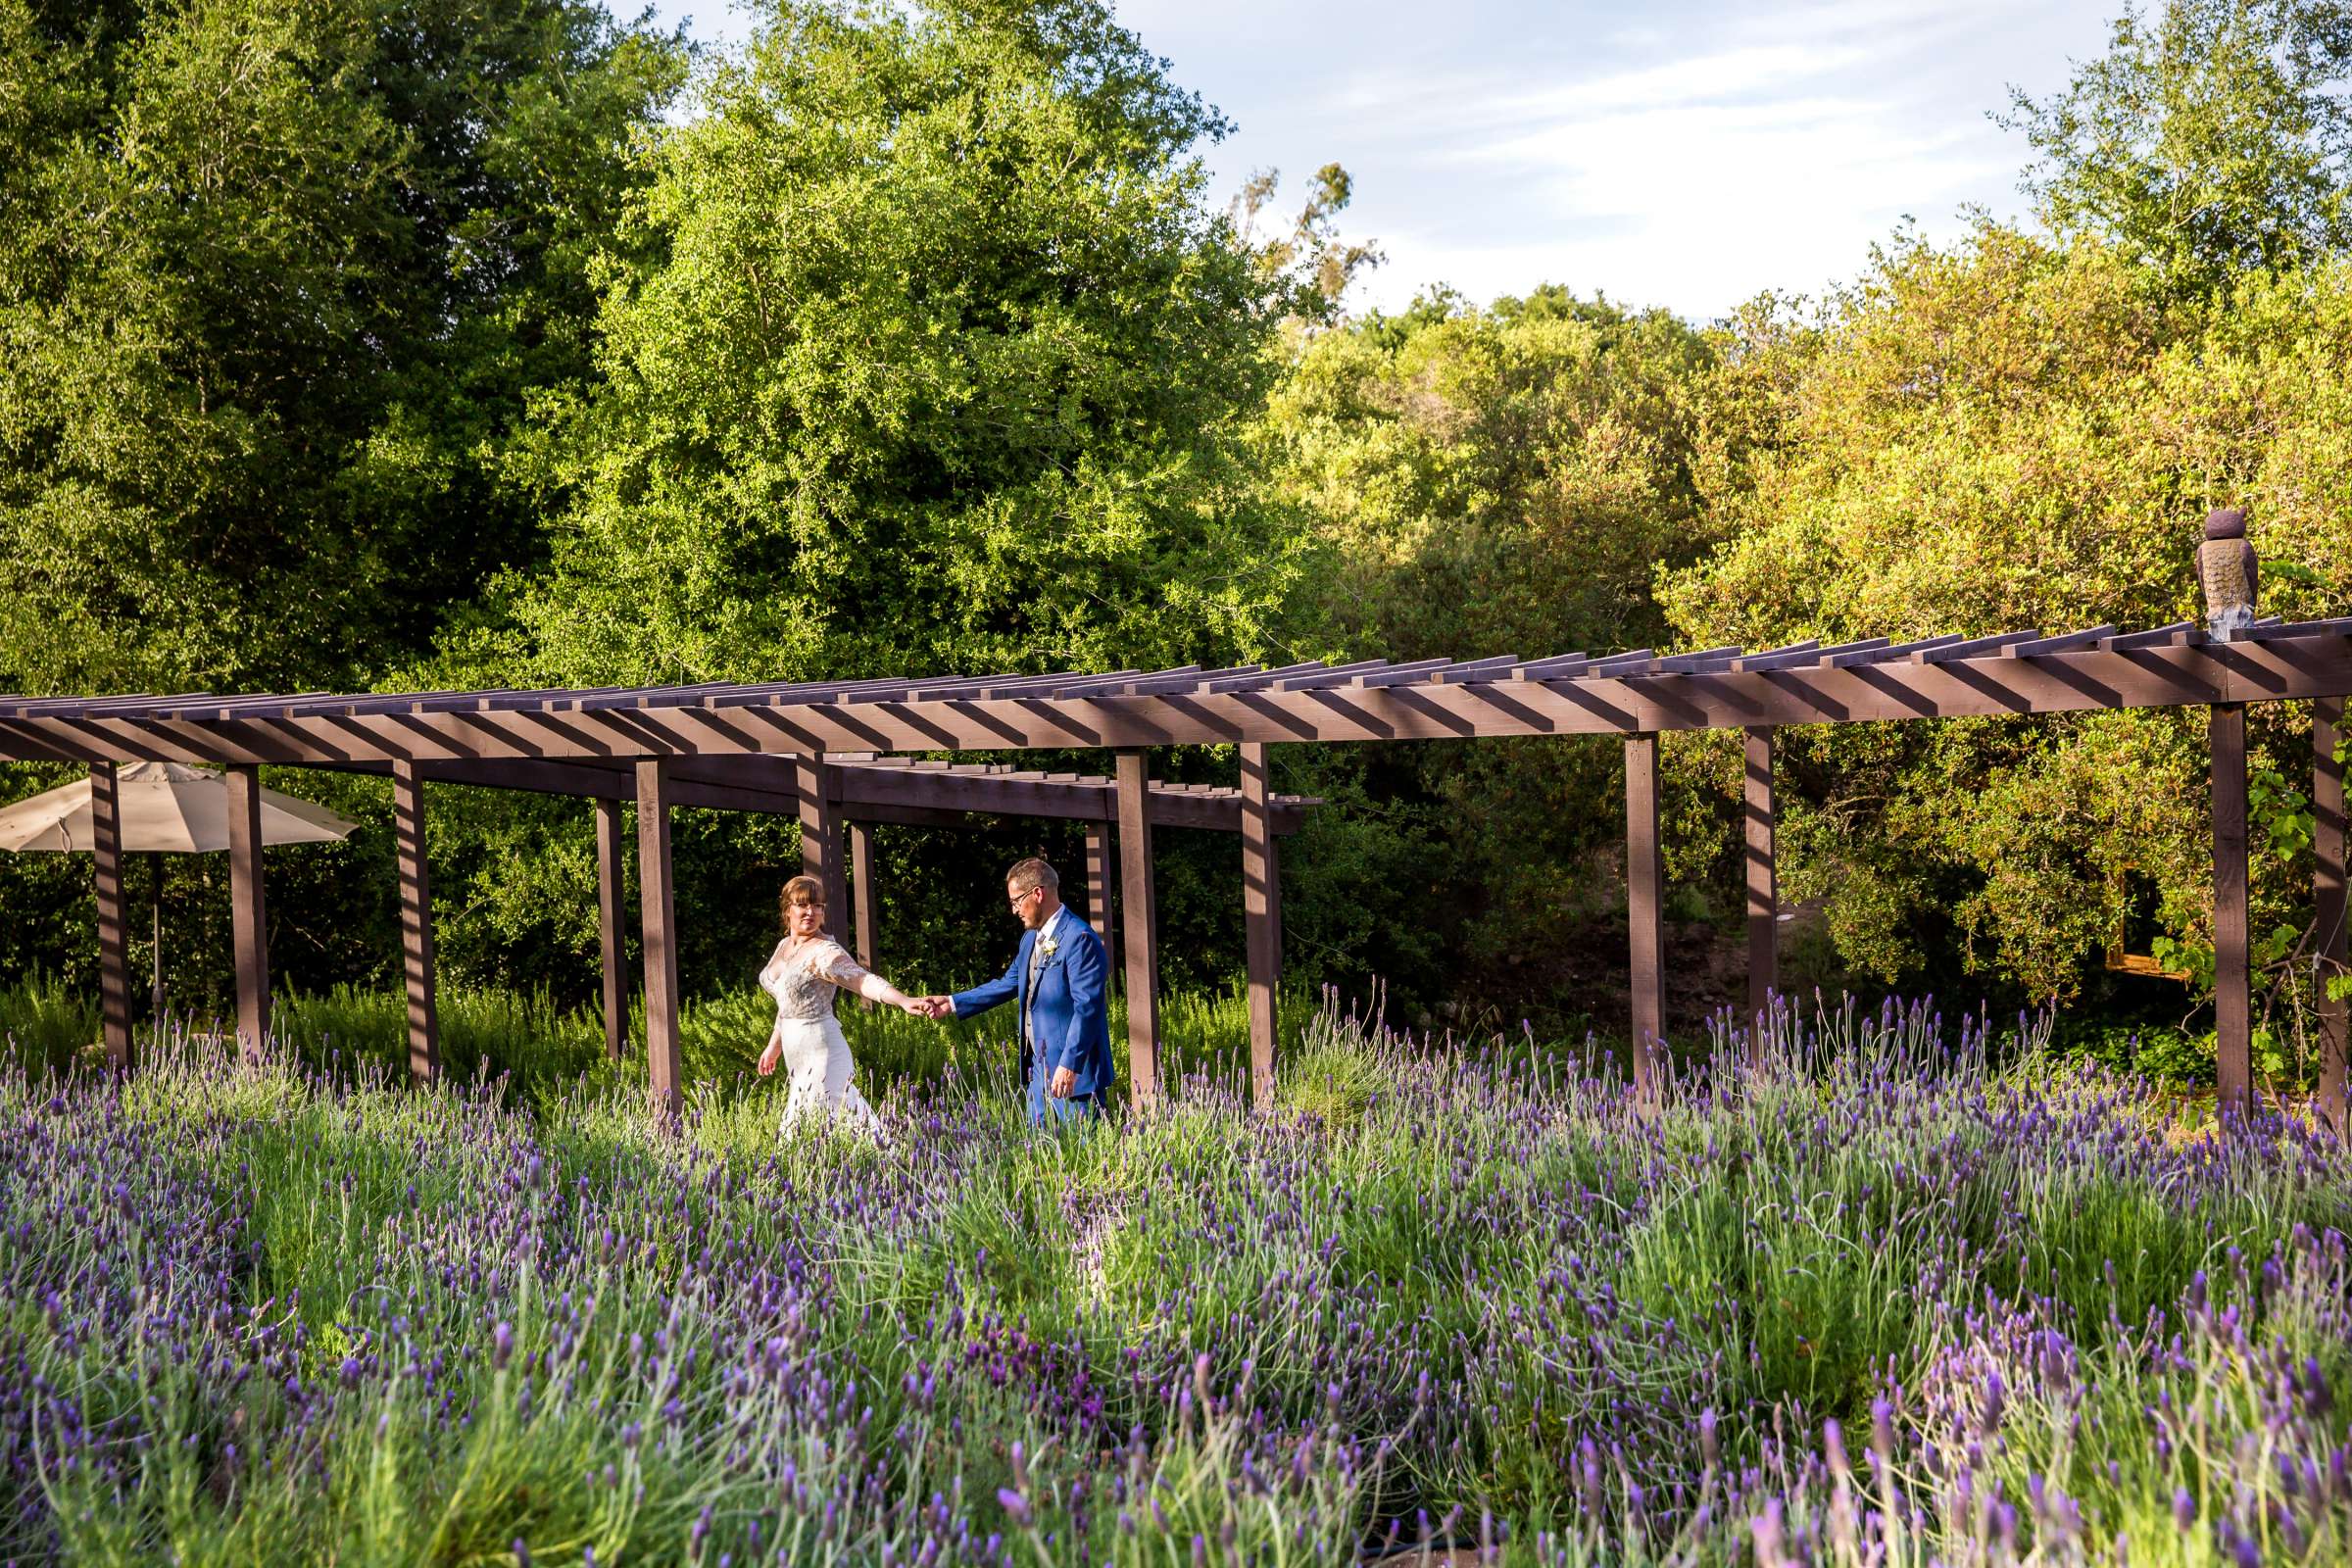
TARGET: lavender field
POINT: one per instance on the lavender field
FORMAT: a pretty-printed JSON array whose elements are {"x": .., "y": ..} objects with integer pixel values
[{"x": 1879, "y": 1301}]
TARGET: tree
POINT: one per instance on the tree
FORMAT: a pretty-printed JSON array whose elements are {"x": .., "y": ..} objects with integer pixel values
[
  {"x": 275, "y": 278},
  {"x": 2004, "y": 433},
  {"x": 1486, "y": 481},
  {"x": 2214, "y": 141},
  {"x": 919, "y": 352}
]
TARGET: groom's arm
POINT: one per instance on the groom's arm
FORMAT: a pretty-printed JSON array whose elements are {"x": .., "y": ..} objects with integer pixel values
[
  {"x": 981, "y": 997},
  {"x": 1084, "y": 970}
]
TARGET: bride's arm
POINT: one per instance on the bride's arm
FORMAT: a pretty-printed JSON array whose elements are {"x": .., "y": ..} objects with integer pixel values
[
  {"x": 848, "y": 973},
  {"x": 873, "y": 988}
]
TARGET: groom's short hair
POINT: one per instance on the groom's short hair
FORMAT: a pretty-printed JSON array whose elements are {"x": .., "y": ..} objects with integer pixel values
[{"x": 1033, "y": 872}]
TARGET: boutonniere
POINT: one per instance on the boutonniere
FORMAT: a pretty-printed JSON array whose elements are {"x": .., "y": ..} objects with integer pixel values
[{"x": 1048, "y": 946}]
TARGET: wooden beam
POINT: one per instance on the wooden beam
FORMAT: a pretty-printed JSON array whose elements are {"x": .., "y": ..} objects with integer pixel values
[
  {"x": 1261, "y": 876},
  {"x": 2233, "y": 994},
  {"x": 916, "y": 795},
  {"x": 416, "y": 922},
  {"x": 2328, "y": 890},
  {"x": 246, "y": 917},
  {"x": 1101, "y": 894},
  {"x": 866, "y": 894},
  {"x": 612, "y": 951},
  {"x": 2183, "y": 670},
  {"x": 1143, "y": 944},
  {"x": 665, "y": 1062},
  {"x": 1761, "y": 817},
  {"x": 114, "y": 915},
  {"x": 1644, "y": 914}
]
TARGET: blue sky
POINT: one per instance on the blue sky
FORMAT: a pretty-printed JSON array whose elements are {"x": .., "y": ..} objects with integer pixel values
[{"x": 1685, "y": 153}]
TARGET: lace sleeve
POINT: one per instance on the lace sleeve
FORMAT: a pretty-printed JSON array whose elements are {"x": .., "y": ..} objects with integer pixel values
[{"x": 832, "y": 961}]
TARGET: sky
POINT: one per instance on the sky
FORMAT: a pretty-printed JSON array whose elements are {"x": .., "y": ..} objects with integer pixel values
[{"x": 1683, "y": 152}]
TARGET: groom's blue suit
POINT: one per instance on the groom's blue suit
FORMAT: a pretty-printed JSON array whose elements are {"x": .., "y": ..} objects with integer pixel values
[{"x": 1069, "y": 1015}]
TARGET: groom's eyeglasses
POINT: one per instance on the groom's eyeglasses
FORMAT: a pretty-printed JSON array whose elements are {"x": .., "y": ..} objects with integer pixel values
[{"x": 1016, "y": 900}]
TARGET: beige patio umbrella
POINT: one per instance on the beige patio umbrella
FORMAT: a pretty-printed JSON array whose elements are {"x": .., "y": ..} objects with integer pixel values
[{"x": 166, "y": 808}]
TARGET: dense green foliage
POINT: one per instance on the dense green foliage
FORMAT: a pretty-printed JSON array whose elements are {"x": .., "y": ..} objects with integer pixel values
[
  {"x": 921, "y": 352},
  {"x": 275, "y": 280},
  {"x": 408, "y": 343},
  {"x": 2209, "y": 140}
]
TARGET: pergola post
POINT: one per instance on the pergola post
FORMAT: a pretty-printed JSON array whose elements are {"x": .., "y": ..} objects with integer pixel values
[
  {"x": 1645, "y": 917},
  {"x": 1143, "y": 934},
  {"x": 663, "y": 1062},
  {"x": 864, "y": 893},
  {"x": 1260, "y": 917},
  {"x": 416, "y": 921},
  {"x": 820, "y": 838},
  {"x": 248, "y": 922},
  {"x": 610, "y": 949},
  {"x": 1763, "y": 887},
  {"x": 2233, "y": 992},
  {"x": 1101, "y": 902},
  {"x": 114, "y": 921},
  {"x": 2327, "y": 887}
]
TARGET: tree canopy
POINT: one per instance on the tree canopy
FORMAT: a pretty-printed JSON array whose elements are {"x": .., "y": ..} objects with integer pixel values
[
  {"x": 275, "y": 277},
  {"x": 2211, "y": 139},
  {"x": 918, "y": 350}
]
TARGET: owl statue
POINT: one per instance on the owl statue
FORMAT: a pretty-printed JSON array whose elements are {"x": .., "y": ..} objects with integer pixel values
[{"x": 2225, "y": 567}]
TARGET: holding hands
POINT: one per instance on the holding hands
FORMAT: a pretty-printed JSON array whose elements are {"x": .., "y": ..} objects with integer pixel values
[{"x": 933, "y": 1007}]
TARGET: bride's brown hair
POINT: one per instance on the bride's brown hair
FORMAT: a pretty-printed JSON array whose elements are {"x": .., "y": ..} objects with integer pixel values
[{"x": 800, "y": 889}]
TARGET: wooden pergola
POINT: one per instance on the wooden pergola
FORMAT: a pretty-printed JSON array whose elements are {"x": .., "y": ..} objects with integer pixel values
[{"x": 825, "y": 751}]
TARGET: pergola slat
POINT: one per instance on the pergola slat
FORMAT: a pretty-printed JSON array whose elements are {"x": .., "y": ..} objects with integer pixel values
[
  {"x": 1414, "y": 673},
  {"x": 1973, "y": 647},
  {"x": 1119, "y": 683},
  {"x": 1559, "y": 667},
  {"x": 2179, "y": 634},
  {"x": 1858, "y": 657},
  {"x": 1634, "y": 660},
  {"x": 1496, "y": 669},
  {"x": 2063, "y": 643},
  {"x": 1332, "y": 675},
  {"x": 1691, "y": 664},
  {"x": 1801, "y": 657},
  {"x": 1254, "y": 679},
  {"x": 2281, "y": 631}
]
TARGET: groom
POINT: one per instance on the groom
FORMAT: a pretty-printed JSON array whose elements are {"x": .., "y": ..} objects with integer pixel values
[{"x": 1057, "y": 978}]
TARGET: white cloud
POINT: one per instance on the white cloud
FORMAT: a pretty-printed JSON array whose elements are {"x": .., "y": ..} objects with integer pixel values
[{"x": 1688, "y": 153}]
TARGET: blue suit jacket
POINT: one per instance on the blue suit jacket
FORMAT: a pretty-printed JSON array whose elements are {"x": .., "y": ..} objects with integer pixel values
[{"x": 1069, "y": 1015}]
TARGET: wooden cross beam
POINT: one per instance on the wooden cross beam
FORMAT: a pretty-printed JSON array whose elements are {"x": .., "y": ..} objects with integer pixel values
[{"x": 2167, "y": 667}]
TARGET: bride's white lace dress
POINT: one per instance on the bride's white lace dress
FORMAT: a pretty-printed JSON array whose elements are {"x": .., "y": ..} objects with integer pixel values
[{"x": 804, "y": 981}]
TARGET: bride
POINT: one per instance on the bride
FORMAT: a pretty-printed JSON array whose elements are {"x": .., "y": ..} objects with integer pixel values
[{"x": 807, "y": 968}]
